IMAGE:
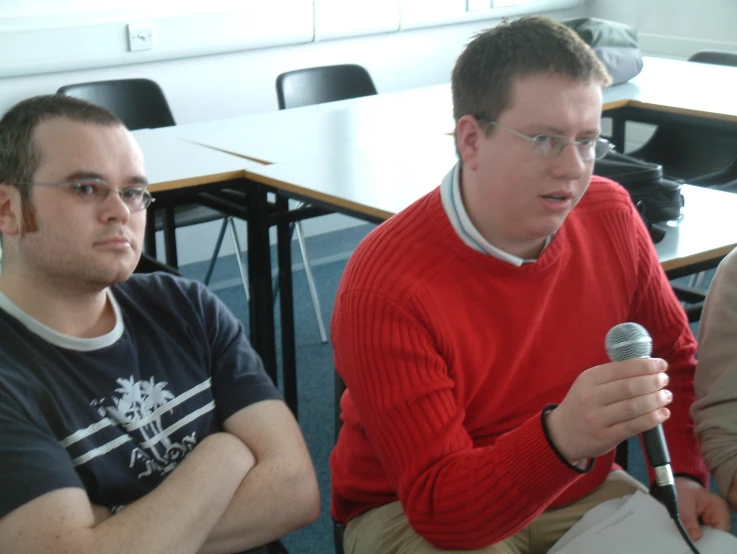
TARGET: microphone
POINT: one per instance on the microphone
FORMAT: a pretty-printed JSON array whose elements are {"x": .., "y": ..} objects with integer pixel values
[{"x": 628, "y": 341}]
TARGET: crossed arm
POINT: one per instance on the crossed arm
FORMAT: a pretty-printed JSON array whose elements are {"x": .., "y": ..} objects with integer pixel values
[{"x": 236, "y": 490}]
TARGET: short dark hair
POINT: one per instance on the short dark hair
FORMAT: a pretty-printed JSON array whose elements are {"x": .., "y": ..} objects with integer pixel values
[
  {"x": 486, "y": 71},
  {"x": 19, "y": 157}
]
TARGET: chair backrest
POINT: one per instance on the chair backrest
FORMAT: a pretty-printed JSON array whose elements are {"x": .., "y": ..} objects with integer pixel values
[
  {"x": 147, "y": 264},
  {"x": 315, "y": 85},
  {"x": 139, "y": 103},
  {"x": 717, "y": 57}
]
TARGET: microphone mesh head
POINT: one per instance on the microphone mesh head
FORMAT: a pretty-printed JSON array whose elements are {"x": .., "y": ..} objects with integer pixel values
[{"x": 627, "y": 341}]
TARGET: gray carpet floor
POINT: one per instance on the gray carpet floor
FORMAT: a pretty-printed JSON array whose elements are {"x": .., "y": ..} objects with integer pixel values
[{"x": 329, "y": 254}]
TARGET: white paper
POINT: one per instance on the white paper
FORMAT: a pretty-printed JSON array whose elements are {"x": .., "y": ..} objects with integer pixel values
[{"x": 636, "y": 524}]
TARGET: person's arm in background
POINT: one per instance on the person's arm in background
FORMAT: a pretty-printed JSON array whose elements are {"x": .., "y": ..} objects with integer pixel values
[
  {"x": 177, "y": 516},
  {"x": 715, "y": 409},
  {"x": 656, "y": 307}
]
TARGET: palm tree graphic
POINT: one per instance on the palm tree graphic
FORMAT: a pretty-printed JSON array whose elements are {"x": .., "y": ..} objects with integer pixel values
[{"x": 137, "y": 401}]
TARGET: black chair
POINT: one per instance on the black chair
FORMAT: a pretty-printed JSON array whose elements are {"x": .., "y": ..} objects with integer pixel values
[
  {"x": 690, "y": 151},
  {"x": 141, "y": 104},
  {"x": 147, "y": 264},
  {"x": 317, "y": 85}
]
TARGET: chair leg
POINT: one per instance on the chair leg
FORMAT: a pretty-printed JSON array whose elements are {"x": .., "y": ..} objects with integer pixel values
[
  {"x": 311, "y": 281},
  {"x": 241, "y": 268},
  {"x": 700, "y": 279},
  {"x": 218, "y": 244},
  {"x": 696, "y": 280}
]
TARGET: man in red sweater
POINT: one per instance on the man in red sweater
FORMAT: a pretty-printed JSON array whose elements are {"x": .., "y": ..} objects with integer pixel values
[{"x": 481, "y": 412}]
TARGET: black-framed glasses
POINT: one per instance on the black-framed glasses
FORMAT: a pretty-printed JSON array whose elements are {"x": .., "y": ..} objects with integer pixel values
[
  {"x": 95, "y": 190},
  {"x": 549, "y": 146}
]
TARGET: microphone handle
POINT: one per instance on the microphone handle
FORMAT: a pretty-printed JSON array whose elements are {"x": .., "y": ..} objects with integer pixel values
[{"x": 656, "y": 447}]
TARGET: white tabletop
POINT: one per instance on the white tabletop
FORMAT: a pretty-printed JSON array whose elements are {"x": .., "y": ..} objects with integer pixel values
[
  {"x": 172, "y": 163},
  {"x": 378, "y": 182},
  {"x": 706, "y": 230},
  {"x": 668, "y": 85},
  {"x": 676, "y": 86},
  {"x": 326, "y": 128}
]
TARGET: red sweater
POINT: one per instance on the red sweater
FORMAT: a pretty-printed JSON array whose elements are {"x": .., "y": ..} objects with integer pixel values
[{"x": 449, "y": 356}]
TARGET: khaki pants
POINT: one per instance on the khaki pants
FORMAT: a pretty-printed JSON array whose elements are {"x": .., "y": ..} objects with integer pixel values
[{"x": 385, "y": 530}]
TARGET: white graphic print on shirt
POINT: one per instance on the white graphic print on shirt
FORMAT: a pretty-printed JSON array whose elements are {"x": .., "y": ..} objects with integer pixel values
[{"x": 137, "y": 410}]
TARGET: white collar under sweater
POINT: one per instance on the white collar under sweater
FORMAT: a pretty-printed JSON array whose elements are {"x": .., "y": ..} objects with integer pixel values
[{"x": 450, "y": 195}]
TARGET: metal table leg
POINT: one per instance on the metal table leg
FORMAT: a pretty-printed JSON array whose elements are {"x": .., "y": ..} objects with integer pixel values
[
  {"x": 286, "y": 306},
  {"x": 261, "y": 311}
]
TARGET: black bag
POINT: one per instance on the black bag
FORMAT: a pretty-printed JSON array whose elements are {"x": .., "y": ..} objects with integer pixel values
[{"x": 656, "y": 198}]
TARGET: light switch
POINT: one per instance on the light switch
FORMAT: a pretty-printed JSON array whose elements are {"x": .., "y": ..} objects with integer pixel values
[{"x": 140, "y": 36}]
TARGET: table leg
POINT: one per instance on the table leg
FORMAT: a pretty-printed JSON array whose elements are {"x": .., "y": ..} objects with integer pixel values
[
  {"x": 618, "y": 132},
  {"x": 286, "y": 306},
  {"x": 170, "y": 237},
  {"x": 149, "y": 240},
  {"x": 261, "y": 310}
]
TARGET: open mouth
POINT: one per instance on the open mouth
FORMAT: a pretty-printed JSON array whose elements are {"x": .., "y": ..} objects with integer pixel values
[{"x": 556, "y": 197}]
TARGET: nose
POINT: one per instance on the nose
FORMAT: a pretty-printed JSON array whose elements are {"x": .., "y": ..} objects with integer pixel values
[
  {"x": 568, "y": 164},
  {"x": 114, "y": 209}
]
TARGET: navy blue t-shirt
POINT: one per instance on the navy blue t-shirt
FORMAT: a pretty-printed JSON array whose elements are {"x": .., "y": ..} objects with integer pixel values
[{"x": 116, "y": 414}]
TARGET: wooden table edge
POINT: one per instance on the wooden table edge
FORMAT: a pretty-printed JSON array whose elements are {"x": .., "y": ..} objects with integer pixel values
[
  {"x": 312, "y": 196},
  {"x": 196, "y": 181},
  {"x": 714, "y": 253}
]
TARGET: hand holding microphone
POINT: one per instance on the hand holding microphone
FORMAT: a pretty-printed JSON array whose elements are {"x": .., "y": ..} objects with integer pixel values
[
  {"x": 608, "y": 404},
  {"x": 629, "y": 341}
]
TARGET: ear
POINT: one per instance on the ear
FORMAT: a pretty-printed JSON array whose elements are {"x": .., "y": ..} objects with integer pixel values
[
  {"x": 10, "y": 210},
  {"x": 469, "y": 134}
]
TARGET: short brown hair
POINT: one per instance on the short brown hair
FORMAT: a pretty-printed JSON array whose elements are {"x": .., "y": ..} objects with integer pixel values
[
  {"x": 487, "y": 69},
  {"x": 19, "y": 156}
]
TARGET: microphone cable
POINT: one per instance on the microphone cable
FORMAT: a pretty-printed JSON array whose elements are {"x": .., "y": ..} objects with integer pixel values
[{"x": 669, "y": 498}]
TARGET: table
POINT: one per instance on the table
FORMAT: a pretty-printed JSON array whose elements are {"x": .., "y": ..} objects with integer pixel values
[
  {"x": 316, "y": 130},
  {"x": 178, "y": 170},
  {"x": 326, "y": 128},
  {"x": 674, "y": 90},
  {"x": 173, "y": 168},
  {"x": 706, "y": 230},
  {"x": 173, "y": 164}
]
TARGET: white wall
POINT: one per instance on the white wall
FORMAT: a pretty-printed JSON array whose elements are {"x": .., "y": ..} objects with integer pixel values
[
  {"x": 675, "y": 28},
  {"x": 671, "y": 29},
  {"x": 217, "y": 86}
]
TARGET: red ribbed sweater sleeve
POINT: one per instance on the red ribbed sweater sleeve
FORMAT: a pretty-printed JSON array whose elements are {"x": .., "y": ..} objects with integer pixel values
[{"x": 450, "y": 355}]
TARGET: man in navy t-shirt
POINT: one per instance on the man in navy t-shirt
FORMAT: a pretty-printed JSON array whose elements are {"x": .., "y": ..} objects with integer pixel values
[{"x": 134, "y": 414}]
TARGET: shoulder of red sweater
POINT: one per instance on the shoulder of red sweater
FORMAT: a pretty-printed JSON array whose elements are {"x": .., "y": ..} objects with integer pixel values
[
  {"x": 605, "y": 194},
  {"x": 401, "y": 250}
]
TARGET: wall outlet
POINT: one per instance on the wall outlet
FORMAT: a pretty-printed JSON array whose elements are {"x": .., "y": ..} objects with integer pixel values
[{"x": 140, "y": 36}]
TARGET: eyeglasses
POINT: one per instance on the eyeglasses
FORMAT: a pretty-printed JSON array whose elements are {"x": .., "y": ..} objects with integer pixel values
[
  {"x": 96, "y": 191},
  {"x": 549, "y": 146}
]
